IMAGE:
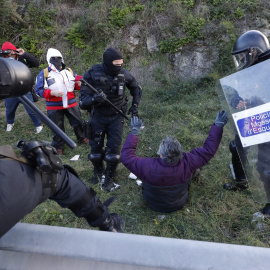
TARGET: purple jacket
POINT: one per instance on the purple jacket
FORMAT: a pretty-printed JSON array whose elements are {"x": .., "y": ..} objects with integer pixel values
[{"x": 173, "y": 178}]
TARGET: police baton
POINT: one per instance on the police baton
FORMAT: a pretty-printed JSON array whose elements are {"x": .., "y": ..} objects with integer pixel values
[
  {"x": 47, "y": 121},
  {"x": 97, "y": 92},
  {"x": 16, "y": 80}
]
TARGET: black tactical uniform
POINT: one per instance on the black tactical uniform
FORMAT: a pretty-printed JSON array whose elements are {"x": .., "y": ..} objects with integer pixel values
[
  {"x": 111, "y": 81},
  {"x": 249, "y": 49},
  {"x": 23, "y": 186}
]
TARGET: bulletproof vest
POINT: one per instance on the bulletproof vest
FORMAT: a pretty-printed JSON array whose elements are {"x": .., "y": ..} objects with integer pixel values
[{"x": 113, "y": 87}]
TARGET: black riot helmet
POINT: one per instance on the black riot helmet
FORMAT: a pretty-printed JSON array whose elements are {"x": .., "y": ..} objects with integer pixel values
[
  {"x": 16, "y": 79},
  {"x": 248, "y": 47}
]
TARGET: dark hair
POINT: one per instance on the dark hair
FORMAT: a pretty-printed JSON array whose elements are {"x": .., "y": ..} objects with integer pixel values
[{"x": 171, "y": 150}]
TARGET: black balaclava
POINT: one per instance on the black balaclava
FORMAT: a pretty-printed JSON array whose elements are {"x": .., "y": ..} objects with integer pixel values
[
  {"x": 57, "y": 62},
  {"x": 108, "y": 57}
]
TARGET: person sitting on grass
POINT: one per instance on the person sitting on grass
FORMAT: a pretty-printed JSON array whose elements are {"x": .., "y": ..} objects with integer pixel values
[{"x": 166, "y": 180}]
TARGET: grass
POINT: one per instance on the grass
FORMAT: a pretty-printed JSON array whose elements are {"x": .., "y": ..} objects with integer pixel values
[{"x": 185, "y": 111}]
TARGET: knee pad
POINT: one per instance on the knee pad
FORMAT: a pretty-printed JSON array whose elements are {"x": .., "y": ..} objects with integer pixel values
[
  {"x": 96, "y": 157},
  {"x": 112, "y": 158}
]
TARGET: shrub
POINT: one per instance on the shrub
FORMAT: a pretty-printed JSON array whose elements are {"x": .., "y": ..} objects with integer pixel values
[
  {"x": 75, "y": 35},
  {"x": 192, "y": 26},
  {"x": 118, "y": 16}
]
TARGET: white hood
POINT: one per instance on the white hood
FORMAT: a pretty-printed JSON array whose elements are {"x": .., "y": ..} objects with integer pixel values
[{"x": 53, "y": 53}]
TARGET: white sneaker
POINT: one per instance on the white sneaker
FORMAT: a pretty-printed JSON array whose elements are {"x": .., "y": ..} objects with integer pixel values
[
  {"x": 39, "y": 129},
  {"x": 9, "y": 127}
]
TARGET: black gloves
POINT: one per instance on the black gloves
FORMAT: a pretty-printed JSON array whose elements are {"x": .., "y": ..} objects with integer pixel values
[
  {"x": 99, "y": 98},
  {"x": 136, "y": 125},
  {"x": 222, "y": 119},
  {"x": 133, "y": 110},
  {"x": 84, "y": 105}
]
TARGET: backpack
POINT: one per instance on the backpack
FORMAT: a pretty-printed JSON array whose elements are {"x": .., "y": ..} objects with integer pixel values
[{"x": 46, "y": 72}]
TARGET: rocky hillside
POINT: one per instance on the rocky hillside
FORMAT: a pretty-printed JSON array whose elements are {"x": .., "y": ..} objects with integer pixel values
[{"x": 182, "y": 38}]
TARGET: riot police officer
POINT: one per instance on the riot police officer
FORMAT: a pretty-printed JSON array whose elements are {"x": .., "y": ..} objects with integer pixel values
[
  {"x": 49, "y": 179},
  {"x": 249, "y": 49},
  {"x": 111, "y": 80}
]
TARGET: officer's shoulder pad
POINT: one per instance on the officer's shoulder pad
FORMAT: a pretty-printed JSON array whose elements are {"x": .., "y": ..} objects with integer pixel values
[{"x": 97, "y": 66}]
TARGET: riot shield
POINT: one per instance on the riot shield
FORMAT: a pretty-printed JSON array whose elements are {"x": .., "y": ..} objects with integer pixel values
[{"x": 246, "y": 95}]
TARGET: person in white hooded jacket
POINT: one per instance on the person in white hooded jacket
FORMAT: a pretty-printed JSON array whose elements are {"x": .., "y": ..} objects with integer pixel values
[{"x": 56, "y": 84}]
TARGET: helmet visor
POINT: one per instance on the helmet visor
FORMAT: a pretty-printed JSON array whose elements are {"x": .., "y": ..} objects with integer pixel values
[{"x": 240, "y": 60}]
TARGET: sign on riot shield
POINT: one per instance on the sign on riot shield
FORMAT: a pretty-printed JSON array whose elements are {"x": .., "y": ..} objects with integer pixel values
[{"x": 246, "y": 95}]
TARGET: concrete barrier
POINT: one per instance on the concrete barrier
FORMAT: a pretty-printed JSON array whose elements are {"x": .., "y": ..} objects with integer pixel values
[{"x": 30, "y": 246}]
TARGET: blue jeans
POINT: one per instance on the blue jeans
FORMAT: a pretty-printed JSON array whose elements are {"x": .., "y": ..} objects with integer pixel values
[{"x": 12, "y": 105}]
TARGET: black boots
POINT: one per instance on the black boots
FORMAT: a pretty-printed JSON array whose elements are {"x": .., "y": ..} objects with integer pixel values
[
  {"x": 112, "y": 161},
  {"x": 106, "y": 182},
  {"x": 97, "y": 176},
  {"x": 113, "y": 223},
  {"x": 240, "y": 183},
  {"x": 108, "y": 185},
  {"x": 97, "y": 161},
  {"x": 266, "y": 210},
  {"x": 96, "y": 213},
  {"x": 236, "y": 185}
]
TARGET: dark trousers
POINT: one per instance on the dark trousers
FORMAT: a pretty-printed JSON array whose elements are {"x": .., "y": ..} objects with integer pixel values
[
  {"x": 12, "y": 105},
  {"x": 263, "y": 166},
  {"x": 239, "y": 158},
  {"x": 74, "y": 118},
  {"x": 112, "y": 127},
  {"x": 21, "y": 192}
]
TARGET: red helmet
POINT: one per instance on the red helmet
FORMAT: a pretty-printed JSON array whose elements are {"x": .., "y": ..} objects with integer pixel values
[{"x": 8, "y": 46}]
